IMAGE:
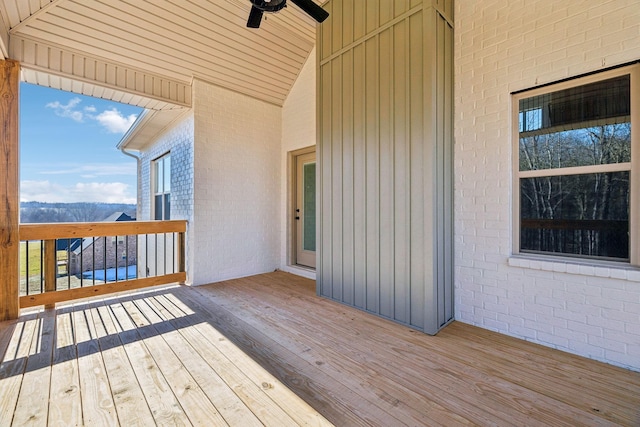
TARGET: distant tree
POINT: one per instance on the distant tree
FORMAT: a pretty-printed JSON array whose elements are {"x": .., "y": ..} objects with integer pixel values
[
  {"x": 39, "y": 212},
  {"x": 42, "y": 215},
  {"x": 86, "y": 212},
  {"x": 596, "y": 196}
]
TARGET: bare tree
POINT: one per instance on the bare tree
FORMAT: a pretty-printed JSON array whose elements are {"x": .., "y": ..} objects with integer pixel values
[{"x": 601, "y": 198}]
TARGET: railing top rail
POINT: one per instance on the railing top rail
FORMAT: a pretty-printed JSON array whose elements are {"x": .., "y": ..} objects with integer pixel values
[{"x": 71, "y": 230}]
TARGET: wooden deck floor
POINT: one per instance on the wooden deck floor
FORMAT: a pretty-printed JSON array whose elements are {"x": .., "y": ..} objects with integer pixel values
[{"x": 265, "y": 350}]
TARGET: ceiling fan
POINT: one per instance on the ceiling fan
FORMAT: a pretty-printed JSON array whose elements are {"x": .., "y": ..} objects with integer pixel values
[{"x": 258, "y": 7}]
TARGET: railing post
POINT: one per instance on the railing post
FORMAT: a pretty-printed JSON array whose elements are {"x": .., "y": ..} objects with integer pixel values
[
  {"x": 9, "y": 189},
  {"x": 50, "y": 268},
  {"x": 181, "y": 252}
]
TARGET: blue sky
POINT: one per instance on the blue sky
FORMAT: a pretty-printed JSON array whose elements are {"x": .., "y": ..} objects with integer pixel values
[{"x": 68, "y": 148}]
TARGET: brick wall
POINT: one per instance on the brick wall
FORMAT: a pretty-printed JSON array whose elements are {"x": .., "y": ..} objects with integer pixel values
[
  {"x": 178, "y": 140},
  {"x": 238, "y": 139},
  {"x": 503, "y": 46},
  {"x": 101, "y": 253},
  {"x": 298, "y": 131},
  {"x": 236, "y": 224}
]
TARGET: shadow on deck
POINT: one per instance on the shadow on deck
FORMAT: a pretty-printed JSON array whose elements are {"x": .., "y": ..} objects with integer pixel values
[{"x": 264, "y": 350}]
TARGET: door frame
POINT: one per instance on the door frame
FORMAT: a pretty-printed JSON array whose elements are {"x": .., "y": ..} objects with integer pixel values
[{"x": 291, "y": 204}]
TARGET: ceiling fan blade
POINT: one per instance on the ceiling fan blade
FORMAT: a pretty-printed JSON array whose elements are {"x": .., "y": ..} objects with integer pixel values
[
  {"x": 255, "y": 17},
  {"x": 315, "y": 11}
]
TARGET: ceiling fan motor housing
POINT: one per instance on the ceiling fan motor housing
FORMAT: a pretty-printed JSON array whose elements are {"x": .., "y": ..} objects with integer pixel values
[
  {"x": 269, "y": 5},
  {"x": 258, "y": 7}
]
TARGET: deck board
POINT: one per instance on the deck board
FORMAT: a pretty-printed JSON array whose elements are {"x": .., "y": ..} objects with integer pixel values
[
  {"x": 95, "y": 390},
  {"x": 195, "y": 403},
  {"x": 32, "y": 405},
  {"x": 264, "y": 350},
  {"x": 65, "y": 403},
  {"x": 336, "y": 363},
  {"x": 16, "y": 343},
  {"x": 386, "y": 365},
  {"x": 231, "y": 370},
  {"x": 164, "y": 404},
  {"x": 129, "y": 400},
  {"x": 295, "y": 372},
  {"x": 227, "y": 402}
]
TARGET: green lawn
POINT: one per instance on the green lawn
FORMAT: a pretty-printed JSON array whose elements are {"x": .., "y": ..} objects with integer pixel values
[
  {"x": 34, "y": 262},
  {"x": 33, "y": 258}
]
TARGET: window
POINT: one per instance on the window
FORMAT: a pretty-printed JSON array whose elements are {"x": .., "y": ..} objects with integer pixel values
[
  {"x": 576, "y": 163},
  {"x": 162, "y": 187}
]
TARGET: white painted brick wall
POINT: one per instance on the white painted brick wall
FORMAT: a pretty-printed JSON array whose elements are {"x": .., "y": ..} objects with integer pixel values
[
  {"x": 237, "y": 211},
  {"x": 298, "y": 131},
  {"x": 502, "y": 46},
  {"x": 179, "y": 141}
]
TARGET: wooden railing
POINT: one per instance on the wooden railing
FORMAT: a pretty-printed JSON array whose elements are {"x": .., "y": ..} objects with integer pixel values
[{"x": 149, "y": 240}]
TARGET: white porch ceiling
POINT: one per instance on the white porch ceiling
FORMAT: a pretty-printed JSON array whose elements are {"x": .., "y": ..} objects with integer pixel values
[{"x": 147, "y": 52}]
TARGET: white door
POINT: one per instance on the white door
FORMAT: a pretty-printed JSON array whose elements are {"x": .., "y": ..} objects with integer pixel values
[{"x": 305, "y": 210}]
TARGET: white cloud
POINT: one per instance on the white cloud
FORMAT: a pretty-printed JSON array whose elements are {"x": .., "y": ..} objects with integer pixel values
[
  {"x": 68, "y": 109},
  {"x": 112, "y": 120},
  {"x": 46, "y": 191},
  {"x": 92, "y": 170}
]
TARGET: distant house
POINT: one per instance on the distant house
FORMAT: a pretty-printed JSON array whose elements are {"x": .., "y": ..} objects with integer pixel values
[
  {"x": 104, "y": 253},
  {"x": 73, "y": 244},
  {"x": 119, "y": 216},
  {"x": 67, "y": 244}
]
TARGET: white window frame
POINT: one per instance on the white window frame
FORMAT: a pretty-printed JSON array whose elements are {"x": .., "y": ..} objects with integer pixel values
[
  {"x": 154, "y": 181},
  {"x": 633, "y": 166}
]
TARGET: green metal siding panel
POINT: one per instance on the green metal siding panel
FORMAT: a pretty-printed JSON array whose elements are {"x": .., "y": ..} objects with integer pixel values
[
  {"x": 348, "y": 182},
  {"x": 372, "y": 218},
  {"x": 384, "y": 231},
  {"x": 359, "y": 178},
  {"x": 325, "y": 250},
  {"x": 417, "y": 147}
]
